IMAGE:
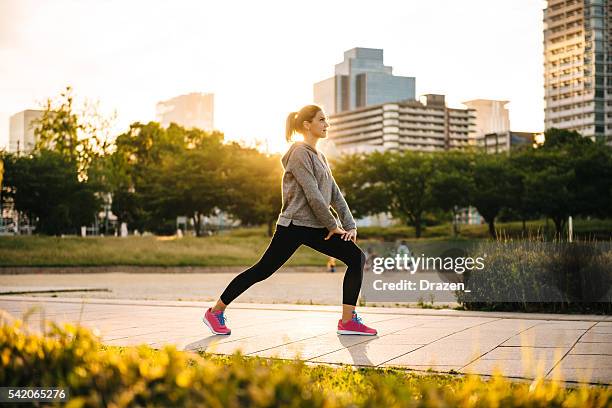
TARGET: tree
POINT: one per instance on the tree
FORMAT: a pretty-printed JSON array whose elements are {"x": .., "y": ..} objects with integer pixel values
[
  {"x": 78, "y": 137},
  {"x": 523, "y": 164},
  {"x": 253, "y": 186},
  {"x": 407, "y": 184},
  {"x": 452, "y": 184},
  {"x": 550, "y": 186},
  {"x": 361, "y": 183},
  {"x": 132, "y": 169},
  {"x": 51, "y": 185},
  {"x": 592, "y": 165},
  {"x": 571, "y": 175},
  {"x": 558, "y": 138},
  {"x": 495, "y": 185},
  {"x": 191, "y": 181},
  {"x": 46, "y": 188}
]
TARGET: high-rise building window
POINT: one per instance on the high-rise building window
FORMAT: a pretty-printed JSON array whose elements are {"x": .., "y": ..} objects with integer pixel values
[
  {"x": 345, "y": 87},
  {"x": 360, "y": 99}
]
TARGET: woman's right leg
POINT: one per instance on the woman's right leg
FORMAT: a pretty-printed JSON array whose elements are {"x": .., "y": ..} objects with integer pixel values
[
  {"x": 354, "y": 258},
  {"x": 285, "y": 242},
  {"x": 346, "y": 251}
]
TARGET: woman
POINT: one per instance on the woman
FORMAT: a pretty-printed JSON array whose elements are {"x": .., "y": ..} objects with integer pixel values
[{"x": 308, "y": 190}]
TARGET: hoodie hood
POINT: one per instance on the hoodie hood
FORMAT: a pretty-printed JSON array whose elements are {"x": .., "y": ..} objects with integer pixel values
[{"x": 294, "y": 145}]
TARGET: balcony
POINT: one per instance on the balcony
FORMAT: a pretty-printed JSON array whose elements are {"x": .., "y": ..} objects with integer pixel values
[{"x": 349, "y": 124}]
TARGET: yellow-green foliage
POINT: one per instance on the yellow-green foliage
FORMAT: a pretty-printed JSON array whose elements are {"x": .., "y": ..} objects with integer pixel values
[{"x": 96, "y": 375}]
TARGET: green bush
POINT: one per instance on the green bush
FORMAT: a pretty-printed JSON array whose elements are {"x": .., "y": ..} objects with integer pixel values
[
  {"x": 536, "y": 276},
  {"x": 95, "y": 375}
]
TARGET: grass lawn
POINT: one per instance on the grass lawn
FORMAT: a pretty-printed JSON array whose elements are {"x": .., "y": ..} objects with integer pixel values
[
  {"x": 224, "y": 250},
  {"x": 583, "y": 229},
  {"x": 240, "y": 247}
]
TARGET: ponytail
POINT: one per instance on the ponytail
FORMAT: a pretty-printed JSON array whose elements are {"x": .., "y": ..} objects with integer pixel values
[
  {"x": 295, "y": 120},
  {"x": 290, "y": 126}
]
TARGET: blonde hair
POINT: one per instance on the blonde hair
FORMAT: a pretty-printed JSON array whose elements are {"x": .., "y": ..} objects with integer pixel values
[{"x": 295, "y": 120}]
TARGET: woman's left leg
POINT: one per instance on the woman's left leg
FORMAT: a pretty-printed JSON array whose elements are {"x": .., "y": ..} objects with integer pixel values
[{"x": 354, "y": 258}]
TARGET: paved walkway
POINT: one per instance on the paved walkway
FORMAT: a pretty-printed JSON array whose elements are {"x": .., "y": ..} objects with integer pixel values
[
  {"x": 576, "y": 347},
  {"x": 282, "y": 287}
]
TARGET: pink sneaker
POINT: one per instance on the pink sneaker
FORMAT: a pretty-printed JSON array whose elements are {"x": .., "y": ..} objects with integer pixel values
[
  {"x": 355, "y": 326},
  {"x": 216, "y": 322}
]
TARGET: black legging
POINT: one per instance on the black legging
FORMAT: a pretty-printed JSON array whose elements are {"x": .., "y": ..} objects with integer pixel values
[{"x": 285, "y": 242}]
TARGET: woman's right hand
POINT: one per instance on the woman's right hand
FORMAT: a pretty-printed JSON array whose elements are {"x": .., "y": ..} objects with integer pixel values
[{"x": 338, "y": 230}]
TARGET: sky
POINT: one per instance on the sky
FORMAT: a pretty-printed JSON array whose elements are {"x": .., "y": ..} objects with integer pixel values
[{"x": 261, "y": 59}]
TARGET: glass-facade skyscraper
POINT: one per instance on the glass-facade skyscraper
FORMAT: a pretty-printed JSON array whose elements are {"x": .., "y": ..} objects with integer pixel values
[{"x": 362, "y": 80}]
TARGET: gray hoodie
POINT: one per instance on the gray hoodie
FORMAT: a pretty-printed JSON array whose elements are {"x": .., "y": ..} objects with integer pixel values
[{"x": 308, "y": 190}]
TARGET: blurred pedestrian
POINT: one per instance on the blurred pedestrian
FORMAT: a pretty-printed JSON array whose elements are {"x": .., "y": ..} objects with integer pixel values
[{"x": 331, "y": 265}]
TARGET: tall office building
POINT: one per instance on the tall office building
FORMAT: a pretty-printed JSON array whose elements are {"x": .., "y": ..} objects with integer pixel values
[
  {"x": 194, "y": 110},
  {"x": 578, "y": 66},
  {"x": 362, "y": 80},
  {"x": 21, "y": 131}
]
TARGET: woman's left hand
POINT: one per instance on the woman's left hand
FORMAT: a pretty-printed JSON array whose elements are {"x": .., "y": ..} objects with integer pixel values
[{"x": 351, "y": 235}]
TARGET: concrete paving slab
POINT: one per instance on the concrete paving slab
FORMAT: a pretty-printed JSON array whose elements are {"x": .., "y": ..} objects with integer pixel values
[
  {"x": 592, "y": 348},
  {"x": 590, "y": 361},
  {"x": 510, "y": 368},
  {"x": 532, "y": 354},
  {"x": 308, "y": 349},
  {"x": 425, "y": 335},
  {"x": 368, "y": 354},
  {"x": 439, "y": 353},
  {"x": 584, "y": 368},
  {"x": 596, "y": 337},
  {"x": 535, "y": 337},
  {"x": 565, "y": 325},
  {"x": 396, "y": 339},
  {"x": 602, "y": 330}
]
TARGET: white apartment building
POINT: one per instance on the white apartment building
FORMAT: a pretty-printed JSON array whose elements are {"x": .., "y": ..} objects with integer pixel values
[
  {"x": 426, "y": 126},
  {"x": 578, "y": 66},
  {"x": 22, "y": 139},
  {"x": 492, "y": 116},
  {"x": 194, "y": 110}
]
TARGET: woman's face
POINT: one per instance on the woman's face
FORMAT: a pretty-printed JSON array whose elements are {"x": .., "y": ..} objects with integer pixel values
[{"x": 318, "y": 126}]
